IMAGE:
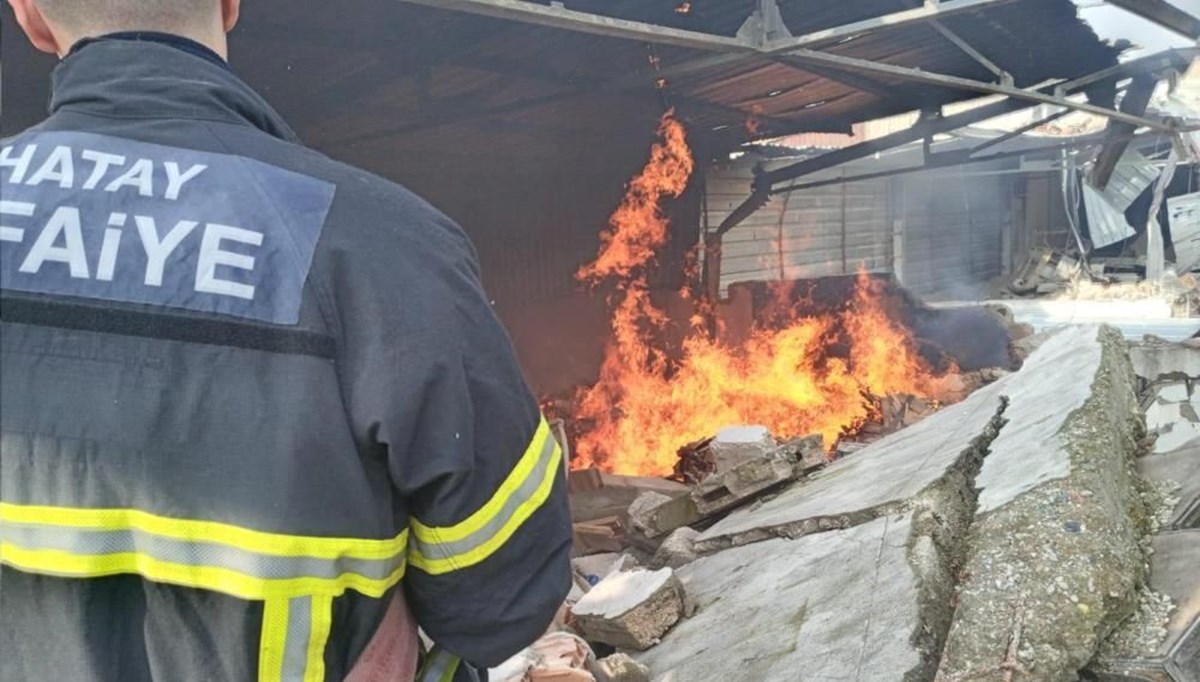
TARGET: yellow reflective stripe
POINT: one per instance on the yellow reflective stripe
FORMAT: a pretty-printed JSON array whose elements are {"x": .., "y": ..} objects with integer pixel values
[
  {"x": 318, "y": 634},
  {"x": 216, "y": 579},
  {"x": 273, "y": 641},
  {"x": 204, "y": 531},
  {"x": 496, "y": 504},
  {"x": 441, "y": 565}
]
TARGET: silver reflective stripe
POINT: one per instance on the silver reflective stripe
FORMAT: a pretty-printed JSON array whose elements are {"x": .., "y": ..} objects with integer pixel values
[
  {"x": 92, "y": 542},
  {"x": 295, "y": 647},
  {"x": 522, "y": 494},
  {"x": 440, "y": 667}
]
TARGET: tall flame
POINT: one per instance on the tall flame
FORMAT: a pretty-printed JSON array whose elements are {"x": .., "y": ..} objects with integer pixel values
[{"x": 646, "y": 405}]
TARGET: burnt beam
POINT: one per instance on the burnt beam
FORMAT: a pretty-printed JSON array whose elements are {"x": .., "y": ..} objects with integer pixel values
[{"x": 1135, "y": 101}]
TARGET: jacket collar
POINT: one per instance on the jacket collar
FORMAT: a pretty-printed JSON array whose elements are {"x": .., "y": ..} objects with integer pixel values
[{"x": 151, "y": 79}]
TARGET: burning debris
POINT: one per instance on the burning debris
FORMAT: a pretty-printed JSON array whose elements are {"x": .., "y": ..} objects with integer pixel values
[
  {"x": 800, "y": 374},
  {"x": 829, "y": 479}
]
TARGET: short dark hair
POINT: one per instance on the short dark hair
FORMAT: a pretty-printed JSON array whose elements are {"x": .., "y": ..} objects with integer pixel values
[{"x": 131, "y": 15}]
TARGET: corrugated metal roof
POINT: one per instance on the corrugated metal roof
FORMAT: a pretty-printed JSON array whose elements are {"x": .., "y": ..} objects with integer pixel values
[{"x": 426, "y": 79}]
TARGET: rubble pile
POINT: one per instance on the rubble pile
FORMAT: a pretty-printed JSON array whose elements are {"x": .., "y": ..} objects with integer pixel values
[{"x": 1043, "y": 527}]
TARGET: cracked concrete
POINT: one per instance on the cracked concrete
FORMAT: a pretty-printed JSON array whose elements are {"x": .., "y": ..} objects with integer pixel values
[
  {"x": 1055, "y": 545},
  {"x": 864, "y": 572},
  {"x": 837, "y": 606}
]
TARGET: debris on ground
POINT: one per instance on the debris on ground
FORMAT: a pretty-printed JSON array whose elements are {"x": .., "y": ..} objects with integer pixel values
[
  {"x": 679, "y": 549},
  {"x": 1032, "y": 528},
  {"x": 620, "y": 668},
  {"x": 631, "y": 609}
]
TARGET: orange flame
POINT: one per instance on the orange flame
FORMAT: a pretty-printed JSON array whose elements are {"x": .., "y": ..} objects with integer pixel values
[{"x": 646, "y": 405}]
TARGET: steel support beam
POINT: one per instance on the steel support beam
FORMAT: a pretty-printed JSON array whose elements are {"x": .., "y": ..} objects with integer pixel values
[
  {"x": 924, "y": 13},
  {"x": 1164, "y": 14},
  {"x": 942, "y": 160},
  {"x": 587, "y": 22},
  {"x": 928, "y": 127},
  {"x": 1012, "y": 135},
  {"x": 972, "y": 52},
  {"x": 1135, "y": 101},
  {"x": 956, "y": 83}
]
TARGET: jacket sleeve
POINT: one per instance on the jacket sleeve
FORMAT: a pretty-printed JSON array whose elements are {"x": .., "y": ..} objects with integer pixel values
[{"x": 432, "y": 383}]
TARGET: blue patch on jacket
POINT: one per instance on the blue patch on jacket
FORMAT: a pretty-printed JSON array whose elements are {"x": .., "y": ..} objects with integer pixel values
[{"x": 120, "y": 220}]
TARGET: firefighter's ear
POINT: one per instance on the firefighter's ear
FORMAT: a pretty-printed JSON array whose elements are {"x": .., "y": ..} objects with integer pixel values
[
  {"x": 35, "y": 26},
  {"x": 230, "y": 11}
]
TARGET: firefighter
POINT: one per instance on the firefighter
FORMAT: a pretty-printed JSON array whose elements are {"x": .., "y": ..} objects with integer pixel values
[{"x": 258, "y": 417}]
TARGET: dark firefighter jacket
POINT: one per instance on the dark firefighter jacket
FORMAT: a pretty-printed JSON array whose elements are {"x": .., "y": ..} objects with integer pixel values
[{"x": 247, "y": 392}]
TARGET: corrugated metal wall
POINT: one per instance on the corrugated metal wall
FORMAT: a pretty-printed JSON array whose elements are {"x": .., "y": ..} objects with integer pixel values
[
  {"x": 831, "y": 230},
  {"x": 954, "y": 228},
  {"x": 944, "y": 234}
]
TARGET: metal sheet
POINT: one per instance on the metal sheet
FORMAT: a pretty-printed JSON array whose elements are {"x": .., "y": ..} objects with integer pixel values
[
  {"x": 1133, "y": 175},
  {"x": 1106, "y": 223},
  {"x": 1183, "y": 214},
  {"x": 954, "y": 227},
  {"x": 822, "y": 232}
]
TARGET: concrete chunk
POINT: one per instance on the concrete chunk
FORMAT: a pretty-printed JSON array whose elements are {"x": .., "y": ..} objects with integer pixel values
[
  {"x": 1173, "y": 416},
  {"x": 726, "y": 488},
  {"x": 653, "y": 515},
  {"x": 631, "y": 609},
  {"x": 842, "y": 605},
  {"x": 1161, "y": 360},
  {"x": 677, "y": 550},
  {"x": 1053, "y": 562}
]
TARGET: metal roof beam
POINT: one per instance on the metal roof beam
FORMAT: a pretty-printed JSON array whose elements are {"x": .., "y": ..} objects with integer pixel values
[
  {"x": 1135, "y": 101},
  {"x": 925, "y": 128},
  {"x": 956, "y": 83},
  {"x": 930, "y": 10},
  {"x": 555, "y": 16},
  {"x": 978, "y": 56},
  {"x": 1164, "y": 14}
]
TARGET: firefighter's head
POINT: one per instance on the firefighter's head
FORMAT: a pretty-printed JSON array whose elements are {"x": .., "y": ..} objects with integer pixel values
[{"x": 55, "y": 25}]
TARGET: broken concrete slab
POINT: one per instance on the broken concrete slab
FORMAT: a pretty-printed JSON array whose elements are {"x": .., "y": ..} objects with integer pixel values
[
  {"x": 727, "y": 488},
  {"x": 1181, "y": 467},
  {"x": 880, "y": 479},
  {"x": 1160, "y": 360},
  {"x": 734, "y": 445},
  {"x": 808, "y": 452},
  {"x": 1054, "y": 560},
  {"x": 631, "y": 609},
  {"x": 1174, "y": 652},
  {"x": 843, "y": 605},
  {"x": 654, "y": 516},
  {"x": 1058, "y": 382},
  {"x": 677, "y": 550},
  {"x": 1173, "y": 416}
]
